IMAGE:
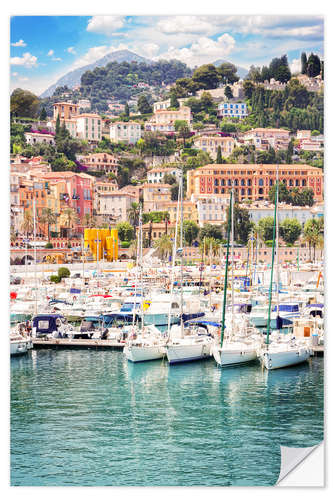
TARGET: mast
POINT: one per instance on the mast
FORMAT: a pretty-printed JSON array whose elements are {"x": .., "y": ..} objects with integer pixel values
[
  {"x": 181, "y": 255},
  {"x": 82, "y": 254},
  {"x": 35, "y": 254},
  {"x": 141, "y": 267},
  {"x": 226, "y": 273},
  {"x": 232, "y": 260},
  {"x": 272, "y": 268},
  {"x": 174, "y": 252},
  {"x": 136, "y": 270},
  {"x": 277, "y": 249},
  {"x": 97, "y": 257}
]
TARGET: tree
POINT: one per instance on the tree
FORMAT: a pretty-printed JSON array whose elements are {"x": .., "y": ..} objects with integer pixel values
[
  {"x": 248, "y": 89},
  {"x": 242, "y": 224},
  {"x": 174, "y": 101},
  {"x": 313, "y": 66},
  {"x": 88, "y": 220},
  {"x": 206, "y": 76},
  {"x": 313, "y": 229},
  {"x": 125, "y": 231},
  {"x": 143, "y": 105},
  {"x": 169, "y": 179},
  {"x": 290, "y": 230},
  {"x": 228, "y": 92},
  {"x": 70, "y": 217},
  {"x": 133, "y": 214},
  {"x": 191, "y": 231},
  {"x": 304, "y": 63},
  {"x": 227, "y": 73},
  {"x": 127, "y": 111},
  {"x": 210, "y": 231},
  {"x": 183, "y": 130},
  {"x": 219, "y": 156},
  {"x": 284, "y": 193},
  {"x": 266, "y": 226},
  {"x": 24, "y": 103},
  {"x": 254, "y": 74},
  {"x": 64, "y": 272},
  {"x": 57, "y": 127},
  {"x": 174, "y": 192},
  {"x": 28, "y": 222},
  {"x": 43, "y": 115},
  {"x": 48, "y": 218},
  {"x": 163, "y": 246}
]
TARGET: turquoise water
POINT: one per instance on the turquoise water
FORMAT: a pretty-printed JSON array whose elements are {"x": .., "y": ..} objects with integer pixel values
[{"x": 90, "y": 418}]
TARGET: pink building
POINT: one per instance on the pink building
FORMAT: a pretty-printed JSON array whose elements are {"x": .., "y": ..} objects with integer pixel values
[{"x": 79, "y": 190}]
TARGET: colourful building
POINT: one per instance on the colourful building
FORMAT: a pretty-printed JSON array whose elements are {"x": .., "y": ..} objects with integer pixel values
[{"x": 252, "y": 181}]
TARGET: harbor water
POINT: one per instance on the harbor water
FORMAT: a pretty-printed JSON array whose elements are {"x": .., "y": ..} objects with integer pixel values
[{"x": 88, "y": 418}]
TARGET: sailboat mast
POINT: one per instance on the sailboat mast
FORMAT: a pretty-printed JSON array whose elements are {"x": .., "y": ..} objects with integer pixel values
[
  {"x": 272, "y": 268},
  {"x": 181, "y": 254},
  {"x": 136, "y": 270},
  {"x": 35, "y": 254},
  {"x": 232, "y": 260},
  {"x": 141, "y": 269},
  {"x": 277, "y": 245},
  {"x": 226, "y": 273}
]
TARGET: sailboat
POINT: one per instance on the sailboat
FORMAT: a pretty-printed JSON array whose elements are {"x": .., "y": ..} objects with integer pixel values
[
  {"x": 281, "y": 352},
  {"x": 232, "y": 351},
  {"x": 145, "y": 343},
  {"x": 185, "y": 343}
]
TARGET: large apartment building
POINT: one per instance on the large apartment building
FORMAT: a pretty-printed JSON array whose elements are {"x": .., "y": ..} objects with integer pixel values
[
  {"x": 164, "y": 120},
  {"x": 101, "y": 162},
  {"x": 211, "y": 143},
  {"x": 252, "y": 181}
]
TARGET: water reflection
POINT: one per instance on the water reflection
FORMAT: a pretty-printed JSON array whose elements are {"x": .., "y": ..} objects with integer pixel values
[{"x": 105, "y": 421}]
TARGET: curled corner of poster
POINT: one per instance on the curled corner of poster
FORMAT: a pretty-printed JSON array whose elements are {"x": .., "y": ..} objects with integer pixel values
[{"x": 302, "y": 466}]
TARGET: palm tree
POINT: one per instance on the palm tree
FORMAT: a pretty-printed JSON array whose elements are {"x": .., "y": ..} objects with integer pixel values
[
  {"x": 133, "y": 214},
  {"x": 312, "y": 233},
  {"x": 88, "y": 220},
  {"x": 163, "y": 246},
  {"x": 28, "y": 222},
  {"x": 210, "y": 244},
  {"x": 48, "y": 218},
  {"x": 70, "y": 217}
]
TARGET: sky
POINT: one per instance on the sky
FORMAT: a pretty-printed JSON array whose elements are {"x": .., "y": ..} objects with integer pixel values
[{"x": 44, "y": 48}]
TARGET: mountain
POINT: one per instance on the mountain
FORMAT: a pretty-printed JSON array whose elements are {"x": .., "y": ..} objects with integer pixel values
[
  {"x": 241, "y": 72},
  {"x": 73, "y": 78}
]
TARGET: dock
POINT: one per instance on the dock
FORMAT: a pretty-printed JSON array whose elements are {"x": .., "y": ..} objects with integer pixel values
[
  {"x": 77, "y": 344},
  {"x": 318, "y": 350}
]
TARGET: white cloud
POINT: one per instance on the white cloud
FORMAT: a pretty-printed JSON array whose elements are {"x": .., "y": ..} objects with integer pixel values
[
  {"x": 203, "y": 51},
  {"x": 95, "y": 53},
  {"x": 50, "y": 52},
  {"x": 185, "y": 24},
  {"x": 147, "y": 50},
  {"x": 71, "y": 50},
  {"x": 20, "y": 43},
  {"x": 26, "y": 60},
  {"x": 105, "y": 25}
]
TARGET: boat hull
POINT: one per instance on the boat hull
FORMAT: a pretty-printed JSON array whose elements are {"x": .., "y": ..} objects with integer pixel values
[
  {"x": 185, "y": 353},
  {"x": 19, "y": 347},
  {"x": 282, "y": 359},
  {"x": 232, "y": 357},
  {"x": 137, "y": 354}
]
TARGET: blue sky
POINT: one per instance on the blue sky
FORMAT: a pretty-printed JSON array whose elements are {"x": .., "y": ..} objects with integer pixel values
[{"x": 44, "y": 48}]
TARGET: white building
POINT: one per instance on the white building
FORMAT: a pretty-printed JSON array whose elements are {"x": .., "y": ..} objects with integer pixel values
[
  {"x": 129, "y": 132},
  {"x": 84, "y": 104},
  {"x": 210, "y": 144},
  {"x": 164, "y": 120},
  {"x": 39, "y": 138},
  {"x": 163, "y": 105},
  {"x": 232, "y": 110},
  {"x": 89, "y": 127},
  {"x": 114, "y": 203},
  {"x": 211, "y": 208},
  {"x": 157, "y": 174},
  {"x": 302, "y": 214}
]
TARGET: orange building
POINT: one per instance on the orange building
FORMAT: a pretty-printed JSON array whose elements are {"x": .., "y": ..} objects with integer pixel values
[{"x": 253, "y": 181}]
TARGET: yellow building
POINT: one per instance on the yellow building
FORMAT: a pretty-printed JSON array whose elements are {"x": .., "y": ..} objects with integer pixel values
[{"x": 190, "y": 211}]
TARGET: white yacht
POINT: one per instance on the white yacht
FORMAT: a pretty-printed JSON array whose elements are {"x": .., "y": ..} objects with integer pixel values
[{"x": 144, "y": 344}]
